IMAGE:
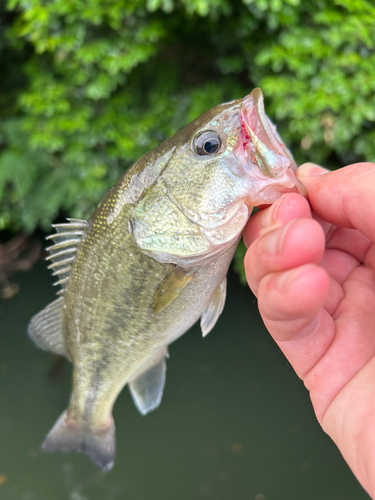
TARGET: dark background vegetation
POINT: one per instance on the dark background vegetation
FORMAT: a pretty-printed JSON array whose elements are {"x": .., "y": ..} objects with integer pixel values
[{"x": 88, "y": 86}]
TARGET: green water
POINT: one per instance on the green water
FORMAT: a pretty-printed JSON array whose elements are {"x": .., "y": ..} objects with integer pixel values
[{"x": 235, "y": 422}]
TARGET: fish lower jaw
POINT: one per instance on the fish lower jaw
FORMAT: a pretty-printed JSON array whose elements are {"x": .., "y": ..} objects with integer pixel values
[
  {"x": 266, "y": 191},
  {"x": 285, "y": 183}
]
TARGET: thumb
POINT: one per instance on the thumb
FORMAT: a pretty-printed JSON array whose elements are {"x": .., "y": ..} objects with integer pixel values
[
  {"x": 311, "y": 170},
  {"x": 344, "y": 197}
]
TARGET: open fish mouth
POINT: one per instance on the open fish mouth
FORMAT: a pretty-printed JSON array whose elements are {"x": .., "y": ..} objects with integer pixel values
[{"x": 261, "y": 146}]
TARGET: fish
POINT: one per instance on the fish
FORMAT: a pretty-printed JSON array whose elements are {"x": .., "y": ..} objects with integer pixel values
[{"x": 151, "y": 261}]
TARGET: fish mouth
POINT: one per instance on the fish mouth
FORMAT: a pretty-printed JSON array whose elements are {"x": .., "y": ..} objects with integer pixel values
[{"x": 263, "y": 154}]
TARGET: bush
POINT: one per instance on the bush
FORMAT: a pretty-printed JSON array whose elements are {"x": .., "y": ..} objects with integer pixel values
[{"x": 90, "y": 85}]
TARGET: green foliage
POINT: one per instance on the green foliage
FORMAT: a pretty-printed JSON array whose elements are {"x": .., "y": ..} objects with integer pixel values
[{"x": 90, "y": 85}]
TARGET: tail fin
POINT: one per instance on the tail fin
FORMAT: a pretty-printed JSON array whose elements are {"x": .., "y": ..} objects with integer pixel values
[{"x": 98, "y": 444}]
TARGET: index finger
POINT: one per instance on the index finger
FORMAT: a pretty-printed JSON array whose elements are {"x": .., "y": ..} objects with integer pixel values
[{"x": 344, "y": 197}]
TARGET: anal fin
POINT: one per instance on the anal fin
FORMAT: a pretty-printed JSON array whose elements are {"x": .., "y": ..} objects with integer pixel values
[
  {"x": 45, "y": 328},
  {"x": 214, "y": 309},
  {"x": 147, "y": 388}
]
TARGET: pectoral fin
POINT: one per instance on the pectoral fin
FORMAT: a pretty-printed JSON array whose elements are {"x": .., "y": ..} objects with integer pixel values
[
  {"x": 214, "y": 309},
  {"x": 169, "y": 289},
  {"x": 147, "y": 389},
  {"x": 45, "y": 328}
]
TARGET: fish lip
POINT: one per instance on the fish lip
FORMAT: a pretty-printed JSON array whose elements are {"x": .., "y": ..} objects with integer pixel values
[
  {"x": 262, "y": 151},
  {"x": 260, "y": 136}
]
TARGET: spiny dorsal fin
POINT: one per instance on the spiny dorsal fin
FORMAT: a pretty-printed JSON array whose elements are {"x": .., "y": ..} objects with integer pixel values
[{"x": 62, "y": 253}]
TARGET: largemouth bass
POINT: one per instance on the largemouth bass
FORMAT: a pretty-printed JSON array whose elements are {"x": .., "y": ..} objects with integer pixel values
[{"x": 151, "y": 261}]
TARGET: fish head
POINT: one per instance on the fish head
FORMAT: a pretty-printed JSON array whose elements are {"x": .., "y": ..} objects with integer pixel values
[
  {"x": 219, "y": 167},
  {"x": 231, "y": 154}
]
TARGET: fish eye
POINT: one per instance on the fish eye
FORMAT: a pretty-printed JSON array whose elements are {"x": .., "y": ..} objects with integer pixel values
[{"x": 207, "y": 143}]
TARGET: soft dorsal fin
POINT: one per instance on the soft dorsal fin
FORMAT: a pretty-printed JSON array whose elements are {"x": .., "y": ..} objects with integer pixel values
[
  {"x": 45, "y": 328},
  {"x": 214, "y": 309},
  {"x": 62, "y": 253},
  {"x": 147, "y": 388}
]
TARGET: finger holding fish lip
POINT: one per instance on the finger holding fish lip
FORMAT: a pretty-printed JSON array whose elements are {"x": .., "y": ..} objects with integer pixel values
[
  {"x": 266, "y": 232},
  {"x": 289, "y": 206},
  {"x": 278, "y": 238},
  {"x": 351, "y": 242},
  {"x": 297, "y": 243}
]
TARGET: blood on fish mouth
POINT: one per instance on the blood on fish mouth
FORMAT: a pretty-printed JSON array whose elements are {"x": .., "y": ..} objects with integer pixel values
[
  {"x": 250, "y": 120},
  {"x": 245, "y": 141}
]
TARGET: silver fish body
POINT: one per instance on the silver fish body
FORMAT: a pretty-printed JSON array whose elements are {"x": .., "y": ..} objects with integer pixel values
[{"x": 151, "y": 261}]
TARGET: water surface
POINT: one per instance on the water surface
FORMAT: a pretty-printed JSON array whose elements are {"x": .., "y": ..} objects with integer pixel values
[{"x": 235, "y": 421}]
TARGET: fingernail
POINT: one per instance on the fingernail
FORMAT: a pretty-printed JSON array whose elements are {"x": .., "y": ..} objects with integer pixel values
[
  {"x": 311, "y": 170},
  {"x": 286, "y": 278},
  {"x": 272, "y": 242}
]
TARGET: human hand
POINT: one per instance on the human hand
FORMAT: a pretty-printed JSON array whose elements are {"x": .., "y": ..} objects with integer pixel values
[{"x": 314, "y": 276}]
